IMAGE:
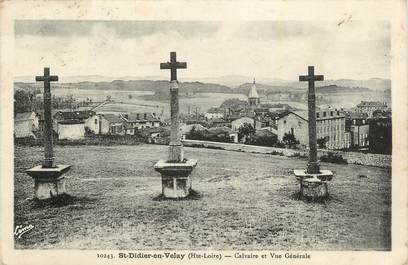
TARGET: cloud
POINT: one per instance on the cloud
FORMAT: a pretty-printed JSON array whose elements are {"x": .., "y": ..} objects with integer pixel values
[{"x": 276, "y": 49}]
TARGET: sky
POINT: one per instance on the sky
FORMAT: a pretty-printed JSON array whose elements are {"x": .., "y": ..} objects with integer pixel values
[{"x": 269, "y": 49}]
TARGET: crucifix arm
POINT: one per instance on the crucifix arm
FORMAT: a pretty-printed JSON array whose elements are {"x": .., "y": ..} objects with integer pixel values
[
  {"x": 165, "y": 66},
  {"x": 181, "y": 65}
]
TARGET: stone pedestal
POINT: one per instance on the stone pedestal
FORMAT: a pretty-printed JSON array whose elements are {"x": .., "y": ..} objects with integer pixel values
[
  {"x": 313, "y": 186},
  {"x": 48, "y": 182},
  {"x": 176, "y": 182}
]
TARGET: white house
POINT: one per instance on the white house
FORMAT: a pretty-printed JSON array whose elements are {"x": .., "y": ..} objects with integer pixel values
[
  {"x": 93, "y": 124},
  {"x": 236, "y": 124},
  {"x": 292, "y": 123},
  {"x": 71, "y": 129},
  {"x": 214, "y": 113},
  {"x": 25, "y": 124}
]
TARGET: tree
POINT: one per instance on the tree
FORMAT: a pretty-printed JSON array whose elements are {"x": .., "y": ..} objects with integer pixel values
[
  {"x": 246, "y": 131},
  {"x": 321, "y": 142},
  {"x": 289, "y": 139},
  {"x": 22, "y": 102}
]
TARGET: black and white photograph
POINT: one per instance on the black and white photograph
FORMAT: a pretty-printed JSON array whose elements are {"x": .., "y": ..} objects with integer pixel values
[{"x": 204, "y": 139}]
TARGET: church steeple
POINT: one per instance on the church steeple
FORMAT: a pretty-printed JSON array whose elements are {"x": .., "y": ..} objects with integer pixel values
[{"x": 253, "y": 97}]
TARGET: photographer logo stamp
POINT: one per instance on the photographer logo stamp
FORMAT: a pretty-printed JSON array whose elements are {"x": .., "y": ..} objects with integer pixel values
[{"x": 20, "y": 230}]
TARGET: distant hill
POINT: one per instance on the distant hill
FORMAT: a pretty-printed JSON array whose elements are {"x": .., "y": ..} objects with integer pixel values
[
  {"x": 233, "y": 81},
  {"x": 333, "y": 89}
]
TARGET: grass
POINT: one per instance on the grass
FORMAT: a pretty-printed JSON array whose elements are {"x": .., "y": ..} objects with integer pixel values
[{"x": 241, "y": 201}]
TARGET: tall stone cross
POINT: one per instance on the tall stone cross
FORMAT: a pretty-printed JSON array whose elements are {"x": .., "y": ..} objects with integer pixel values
[
  {"x": 175, "y": 146},
  {"x": 313, "y": 166},
  {"x": 48, "y": 148}
]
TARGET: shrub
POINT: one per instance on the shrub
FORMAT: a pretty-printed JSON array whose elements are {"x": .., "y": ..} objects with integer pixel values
[{"x": 333, "y": 158}]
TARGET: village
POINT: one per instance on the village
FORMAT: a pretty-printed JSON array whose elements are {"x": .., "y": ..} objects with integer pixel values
[
  {"x": 179, "y": 150},
  {"x": 365, "y": 127}
]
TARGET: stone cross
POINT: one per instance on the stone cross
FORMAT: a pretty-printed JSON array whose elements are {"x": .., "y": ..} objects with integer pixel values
[
  {"x": 173, "y": 65},
  {"x": 48, "y": 148},
  {"x": 175, "y": 146},
  {"x": 313, "y": 166}
]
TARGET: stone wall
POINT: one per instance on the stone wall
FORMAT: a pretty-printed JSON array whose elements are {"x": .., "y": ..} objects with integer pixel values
[{"x": 376, "y": 160}]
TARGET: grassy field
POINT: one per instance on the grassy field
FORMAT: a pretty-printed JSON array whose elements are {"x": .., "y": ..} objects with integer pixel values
[{"x": 245, "y": 201}]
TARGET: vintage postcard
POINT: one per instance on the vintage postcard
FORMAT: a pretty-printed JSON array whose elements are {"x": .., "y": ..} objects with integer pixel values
[{"x": 203, "y": 132}]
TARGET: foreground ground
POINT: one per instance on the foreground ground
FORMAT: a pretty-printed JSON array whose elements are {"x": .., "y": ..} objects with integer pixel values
[{"x": 245, "y": 201}]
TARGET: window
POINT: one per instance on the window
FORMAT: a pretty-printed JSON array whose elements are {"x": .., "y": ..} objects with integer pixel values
[
  {"x": 96, "y": 121},
  {"x": 331, "y": 113},
  {"x": 284, "y": 121},
  {"x": 317, "y": 114},
  {"x": 324, "y": 114}
]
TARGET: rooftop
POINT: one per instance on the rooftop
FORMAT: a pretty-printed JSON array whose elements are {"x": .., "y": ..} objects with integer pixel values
[
  {"x": 112, "y": 118},
  {"x": 140, "y": 117},
  {"x": 371, "y": 104}
]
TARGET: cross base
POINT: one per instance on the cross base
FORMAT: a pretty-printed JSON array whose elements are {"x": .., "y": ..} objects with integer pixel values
[
  {"x": 48, "y": 182},
  {"x": 313, "y": 186},
  {"x": 176, "y": 181}
]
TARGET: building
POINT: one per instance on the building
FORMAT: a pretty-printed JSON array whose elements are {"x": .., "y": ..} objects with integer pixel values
[
  {"x": 237, "y": 123},
  {"x": 293, "y": 123},
  {"x": 347, "y": 140},
  {"x": 72, "y": 124},
  {"x": 111, "y": 124},
  {"x": 80, "y": 115},
  {"x": 42, "y": 120},
  {"x": 26, "y": 124},
  {"x": 368, "y": 107},
  {"x": 141, "y": 120},
  {"x": 93, "y": 124},
  {"x": 71, "y": 129},
  {"x": 219, "y": 123},
  {"x": 359, "y": 128},
  {"x": 380, "y": 135},
  {"x": 330, "y": 128},
  {"x": 129, "y": 130},
  {"x": 253, "y": 97},
  {"x": 214, "y": 113}
]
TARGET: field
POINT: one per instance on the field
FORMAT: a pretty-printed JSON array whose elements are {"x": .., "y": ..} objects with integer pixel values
[
  {"x": 134, "y": 101},
  {"x": 242, "y": 201}
]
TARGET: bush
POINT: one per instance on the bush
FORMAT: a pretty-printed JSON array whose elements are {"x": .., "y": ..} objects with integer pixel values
[
  {"x": 208, "y": 136},
  {"x": 333, "y": 158}
]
